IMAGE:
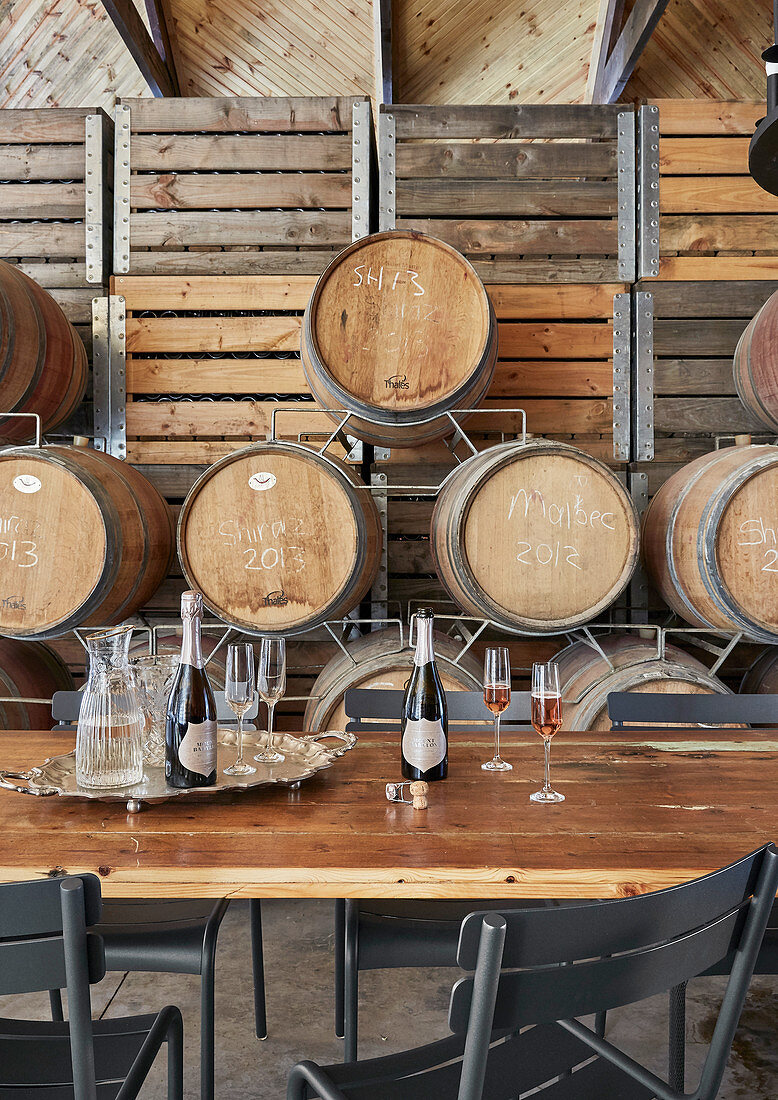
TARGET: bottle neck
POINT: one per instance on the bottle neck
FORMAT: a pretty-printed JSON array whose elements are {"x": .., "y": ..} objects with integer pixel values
[
  {"x": 425, "y": 653},
  {"x": 191, "y": 650}
]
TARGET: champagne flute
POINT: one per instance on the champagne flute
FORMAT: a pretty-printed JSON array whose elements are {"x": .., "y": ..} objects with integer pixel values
[
  {"x": 239, "y": 693},
  {"x": 497, "y": 696},
  {"x": 546, "y": 719},
  {"x": 271, "y": 682}
]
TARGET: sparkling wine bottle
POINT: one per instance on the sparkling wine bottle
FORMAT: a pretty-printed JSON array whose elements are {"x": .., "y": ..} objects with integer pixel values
[
  {"x": 190, "y": 727},
  {"x": 424, "y": 713}
]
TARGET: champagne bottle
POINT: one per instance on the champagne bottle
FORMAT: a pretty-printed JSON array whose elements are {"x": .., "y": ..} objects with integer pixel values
[
  {"x": 190, "y": 727},
  {"x": 424, "y": 713}
]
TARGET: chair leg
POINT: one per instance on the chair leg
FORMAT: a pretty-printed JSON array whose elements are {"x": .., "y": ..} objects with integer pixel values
[
  {"x": 351, "y": 982},
  {"x": 599, "y": 1024},
  {"x": 677, "y": 1038},
  {"x": 340, "y": 951},
  {"x": 55, "y": 1000},
  {"x": 175, "y": 1063},
  {"x": 258, "y": 963},
  {"x": 207, "y": 1019}
]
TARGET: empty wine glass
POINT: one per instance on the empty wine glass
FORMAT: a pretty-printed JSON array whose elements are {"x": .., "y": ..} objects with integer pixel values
[
  {"x": 497, "y": 697},
  {"x": 239, "y": 693},
  {"x": 271, "y": 682},
  {"x": 546, "y": 719}
]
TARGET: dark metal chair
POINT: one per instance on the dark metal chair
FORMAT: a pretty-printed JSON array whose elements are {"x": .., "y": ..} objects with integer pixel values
[
  {"x": 651, "y": 708},
  {"x": 48, "y": 939},
  {"x": 378, "y": 935},
  {"x": 173, "y": 936},
  {"x": 548, "y": 968}
]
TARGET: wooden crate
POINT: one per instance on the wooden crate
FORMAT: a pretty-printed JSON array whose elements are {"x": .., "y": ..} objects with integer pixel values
[
  {"x": 226, "y": 186},
  {"x": 529, "y": 194},
  {"x": 709, "y": 205},
  {"x": 208, "y": 359},
  {"x": 696, "y": 327}
]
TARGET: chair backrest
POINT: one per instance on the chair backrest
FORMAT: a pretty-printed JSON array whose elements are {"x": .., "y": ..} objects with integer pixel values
[
  {"x": 369, "y": 708},
  {"x": 561, "y": 963},
  {"x": 45, "y": 943},
  {"x": 649, "y": 708},
  {"x": 65, "y": 707}
]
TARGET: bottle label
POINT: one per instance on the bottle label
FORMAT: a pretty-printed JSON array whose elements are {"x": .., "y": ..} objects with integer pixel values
[
  {"x": 197, "y": 750},
  {"x": 424, "y": 745}
]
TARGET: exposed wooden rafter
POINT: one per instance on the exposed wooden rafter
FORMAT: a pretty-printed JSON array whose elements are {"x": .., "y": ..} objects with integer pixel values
[
  {"x": 382, "y": 26},
  {"x": 612, "y": 62},
  {"x": 156, "y": 70},
  {"x": 163, "y": 32}
]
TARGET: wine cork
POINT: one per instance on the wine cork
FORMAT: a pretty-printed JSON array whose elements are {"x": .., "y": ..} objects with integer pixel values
[{"x": 419, "y": 791}]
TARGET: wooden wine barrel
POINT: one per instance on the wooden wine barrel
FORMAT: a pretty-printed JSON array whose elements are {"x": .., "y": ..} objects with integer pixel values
[
  {"x": 538, "y": 537},
  {"x": 755, "y": 365},
  {"x": 279, "y": 538},
  {"x": 377, "y": 661},
  {"x": 43, "y": 365},
  {"x": 398, "y": 330},
  {"x": 762, "y": 676},
  {"x": 586, "y": 678},
  {"x": 30, "y": 670},
  {"x": 710, "y": 541},
  {"x": 85, "y": 540}
]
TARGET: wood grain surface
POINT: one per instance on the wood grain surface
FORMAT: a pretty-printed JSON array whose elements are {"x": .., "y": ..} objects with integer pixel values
[{"x": 643, "y": 811}]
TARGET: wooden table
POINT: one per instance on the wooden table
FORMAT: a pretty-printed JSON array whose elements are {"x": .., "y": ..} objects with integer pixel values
[{"x": 643, "y": 811}]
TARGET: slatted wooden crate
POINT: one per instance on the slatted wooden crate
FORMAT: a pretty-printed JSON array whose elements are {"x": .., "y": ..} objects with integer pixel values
[
  {"x": 528, "y": 193},
  {"x": 239, "y": 185},
  {"x": 208, "y": 360},
  {"x": 709, "y": 205},
  {"x": 696, "y": 327}
]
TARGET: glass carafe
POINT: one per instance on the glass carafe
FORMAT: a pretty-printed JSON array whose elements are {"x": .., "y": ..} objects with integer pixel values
[{"x": 109, "y": 742}]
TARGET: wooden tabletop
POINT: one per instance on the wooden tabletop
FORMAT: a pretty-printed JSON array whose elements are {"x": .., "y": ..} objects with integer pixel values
[{"x": 644, "y": 810}]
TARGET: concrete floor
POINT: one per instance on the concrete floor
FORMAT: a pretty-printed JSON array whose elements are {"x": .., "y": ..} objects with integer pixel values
[{"x": 399, "y": 1009}]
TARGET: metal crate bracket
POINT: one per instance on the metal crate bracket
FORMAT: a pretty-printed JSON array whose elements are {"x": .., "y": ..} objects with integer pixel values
[
  {"x": 121, "y": 191},
  {"x": 387, "y": 190},
  {"x": 94, "y": 179},
  {"x": 625, "y": 165},
  {"x": 622, "y": 328},
  {"x": 648, "y": 192},
  {"x": 643, "y": 375},
  {"x": 109, "y": 365},
  {"x": 361, "y": 169},
  {"x": 379, "y": 593}
]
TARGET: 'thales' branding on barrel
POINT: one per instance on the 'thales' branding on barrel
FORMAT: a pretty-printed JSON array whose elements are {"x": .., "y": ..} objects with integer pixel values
[
  {"x": 397, "y": 382},
  {"x": 197, "y": 751},
  {"x": 275, "y": 599}
]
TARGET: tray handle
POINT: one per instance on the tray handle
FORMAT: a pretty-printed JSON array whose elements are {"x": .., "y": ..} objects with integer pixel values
[
  {"x": 25, "y": 777},
  {"x": 348, "y": 739}
]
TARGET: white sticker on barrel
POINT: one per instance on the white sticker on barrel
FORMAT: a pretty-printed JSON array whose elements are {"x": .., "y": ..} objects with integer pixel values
[
  {"x": 262, "y": 480},
  {"x": 27, "y": 483}
]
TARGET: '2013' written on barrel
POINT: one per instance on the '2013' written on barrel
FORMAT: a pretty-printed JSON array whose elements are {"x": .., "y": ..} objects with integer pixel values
[
  {"x": 570, "y": 516},
  {"x": 267, "y": 548},
  {"x": 21, "y": 552},
  {"x": 760, "y": 535}
]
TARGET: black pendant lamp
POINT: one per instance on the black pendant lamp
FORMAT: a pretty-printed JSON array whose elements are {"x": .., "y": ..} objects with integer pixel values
[{"x": 763, "y": 151}]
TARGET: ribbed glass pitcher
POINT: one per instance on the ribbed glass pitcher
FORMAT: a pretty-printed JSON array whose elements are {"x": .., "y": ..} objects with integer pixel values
[{"x": 109, "y": 742}]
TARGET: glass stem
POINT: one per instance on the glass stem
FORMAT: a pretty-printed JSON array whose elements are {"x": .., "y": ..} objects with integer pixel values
[
  {"x": 547, "y": 754},
  {"x": 270, "y": 708},
  {"x": 239, "y": 761},
  {"x": 497, "y": 737}
]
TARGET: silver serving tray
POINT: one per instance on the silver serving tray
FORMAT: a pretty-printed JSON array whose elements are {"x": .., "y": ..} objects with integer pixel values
[{"x": 304, "y": 756}]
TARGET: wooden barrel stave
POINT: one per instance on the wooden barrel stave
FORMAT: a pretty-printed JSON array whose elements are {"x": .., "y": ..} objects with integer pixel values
[
  {"x": 709, "y": 541},
  {"x": 279, "y": 538},
  {"x": 31, "y": 670},
  {"x": 368, "y": 345},
  {"x": 761, "y": 678},
  {"x": 573, "y": 539},
  {"x": 586, "y": 678},
  {"x": 43, "y": 364},
  {"x": 377, "y": 660},
  {"x": 755, "y": 365},
  {"x": 84, "y": 540}
]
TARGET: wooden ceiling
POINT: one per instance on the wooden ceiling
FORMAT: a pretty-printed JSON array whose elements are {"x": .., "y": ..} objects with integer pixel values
[{"x": 68, "y": 53}]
